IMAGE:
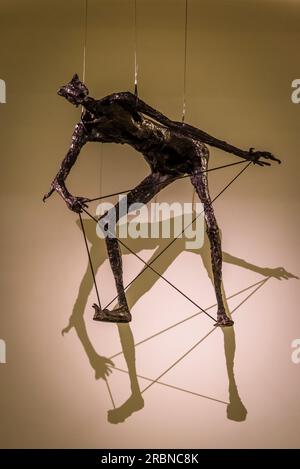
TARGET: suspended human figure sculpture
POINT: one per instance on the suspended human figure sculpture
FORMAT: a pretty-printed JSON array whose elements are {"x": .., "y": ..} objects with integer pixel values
[{"x": 171, "y": 149}]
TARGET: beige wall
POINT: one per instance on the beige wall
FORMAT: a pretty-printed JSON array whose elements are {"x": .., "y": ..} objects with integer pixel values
[{"x": 242, "y": 57}]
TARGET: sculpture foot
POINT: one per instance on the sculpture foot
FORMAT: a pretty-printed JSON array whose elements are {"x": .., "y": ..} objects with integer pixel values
[
  {"x": 236, "y": 411},
  {"x": 223, "y": 321},
  {"x": 120, "y": 314},
  {"x": 120, "y": 414}
]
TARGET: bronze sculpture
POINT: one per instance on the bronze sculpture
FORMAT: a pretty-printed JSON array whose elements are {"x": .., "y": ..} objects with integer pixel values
[{"x": 170, "y": 148}]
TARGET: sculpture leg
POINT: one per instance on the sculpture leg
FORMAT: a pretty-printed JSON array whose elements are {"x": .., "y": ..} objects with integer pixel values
[
  {"x": 143, "y": 193},
  {"x": 199, "y": 180}
]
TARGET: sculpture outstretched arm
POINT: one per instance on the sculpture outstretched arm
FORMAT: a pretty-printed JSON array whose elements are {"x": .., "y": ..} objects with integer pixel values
[
  {"x": 130, "y": 99},
  {"x": 276, "y": 272},
  {"x": 79, "y": 138}
]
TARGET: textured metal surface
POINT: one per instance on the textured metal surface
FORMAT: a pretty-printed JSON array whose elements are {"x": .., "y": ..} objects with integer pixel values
[{"x": 170, "y": 148}]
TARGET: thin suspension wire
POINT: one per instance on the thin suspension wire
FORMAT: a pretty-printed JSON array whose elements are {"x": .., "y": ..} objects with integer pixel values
[
  {"x": 84, "y": 46},
  {"x": 150, "y": 267},
  {"x": 84, "y": 40},
  {"x": 174, "y": 239},
  {"x": 101, "y": 171},
  {"x": 90, "y": 260},
  {"x": 135, "y": 51},
  {"x": 109, "y": 392},
  {"x": 179, "y": 177},
  {"x": 185, "y": 61},
  {"x": 184, "y": 80},
  {"x": 101, "y": 164}
]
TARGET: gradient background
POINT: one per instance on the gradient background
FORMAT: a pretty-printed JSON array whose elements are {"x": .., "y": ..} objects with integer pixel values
[{"x": 242, "y": 57}]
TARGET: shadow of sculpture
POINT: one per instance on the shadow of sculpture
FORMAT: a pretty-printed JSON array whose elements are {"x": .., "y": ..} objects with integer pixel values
[{"x": 103, "y": 366}]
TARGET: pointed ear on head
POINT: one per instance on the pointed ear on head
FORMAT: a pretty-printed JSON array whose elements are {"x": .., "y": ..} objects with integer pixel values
[{"x": 75, "y": 78}]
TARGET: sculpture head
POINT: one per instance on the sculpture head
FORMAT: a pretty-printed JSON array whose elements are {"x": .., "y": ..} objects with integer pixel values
[{"x": 75, "y": 91}]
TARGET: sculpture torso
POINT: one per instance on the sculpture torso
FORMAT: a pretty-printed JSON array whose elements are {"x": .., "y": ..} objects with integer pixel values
[{"x": 165, "y": 150}]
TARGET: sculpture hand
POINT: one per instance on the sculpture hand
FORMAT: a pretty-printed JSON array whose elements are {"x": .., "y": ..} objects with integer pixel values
[
  {"x": 76, "y": 204},
  {"x": 50, "y": 192},
  {"x": 256, "y": 156},
  {"x": 102, "y": 366},
  {"x": 278, "y": 272}
]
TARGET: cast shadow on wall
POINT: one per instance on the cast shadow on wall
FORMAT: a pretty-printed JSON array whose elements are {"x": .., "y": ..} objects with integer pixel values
[{"x": 103, "y": 366}]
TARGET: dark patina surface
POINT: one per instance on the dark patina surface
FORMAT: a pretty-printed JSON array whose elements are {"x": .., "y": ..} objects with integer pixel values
[{"x": 170, "y": 148}]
